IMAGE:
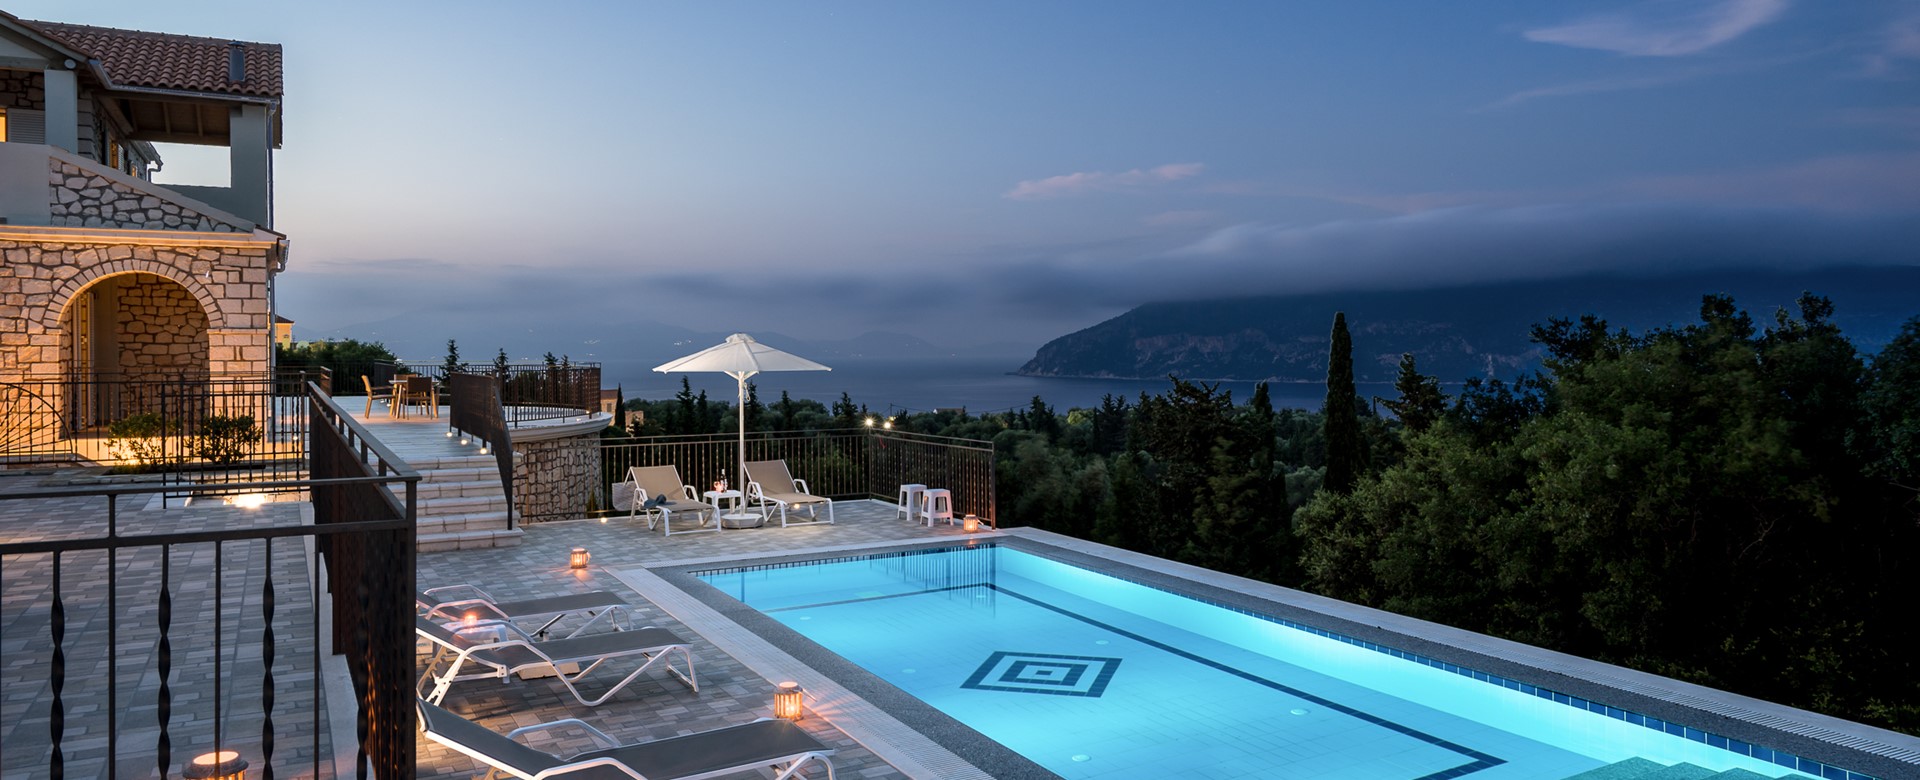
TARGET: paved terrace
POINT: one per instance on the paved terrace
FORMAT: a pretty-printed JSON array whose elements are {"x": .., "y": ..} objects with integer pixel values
[
  {"x": 655, "y": 706},
  {"x": 26, "y": 642}
]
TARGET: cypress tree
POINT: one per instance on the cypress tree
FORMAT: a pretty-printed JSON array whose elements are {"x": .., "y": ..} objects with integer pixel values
[
  {"x": 1346, "y": 454},
  {"x": 1421, "y": 402},
  {"x": 686, "y": 419},
  {"x": 620, "y": 407},
  {"x": 452, "y": 364}
]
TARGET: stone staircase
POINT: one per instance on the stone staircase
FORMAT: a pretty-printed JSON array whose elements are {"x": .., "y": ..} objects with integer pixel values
[
  {"x": 1642, "y": 769},
  {"x": 461, "y": 505}
]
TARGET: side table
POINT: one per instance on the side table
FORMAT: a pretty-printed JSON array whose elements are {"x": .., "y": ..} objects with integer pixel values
[{"x": 736, "y": 514}]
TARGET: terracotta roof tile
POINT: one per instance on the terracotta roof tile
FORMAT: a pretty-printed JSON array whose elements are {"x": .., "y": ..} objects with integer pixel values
[{"x": 143, "y": 59}]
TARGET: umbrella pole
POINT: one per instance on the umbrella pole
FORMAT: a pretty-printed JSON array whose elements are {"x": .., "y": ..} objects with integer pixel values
[{"x": 740, "y": 414}]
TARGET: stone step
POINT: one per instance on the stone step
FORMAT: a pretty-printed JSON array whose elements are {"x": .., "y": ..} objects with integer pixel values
[
  {"x": 477, "y": 521},
  {"x": 435, "y": 490},
  {"x": 461, "y": 505},
  {"x": 439, "y": 462},
  {"x": 490, "y": 471},
  {"x": 468, "y": 540}
]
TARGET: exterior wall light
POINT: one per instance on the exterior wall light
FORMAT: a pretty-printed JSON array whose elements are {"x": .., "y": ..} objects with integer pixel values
[{"x": 786, "y": 700}]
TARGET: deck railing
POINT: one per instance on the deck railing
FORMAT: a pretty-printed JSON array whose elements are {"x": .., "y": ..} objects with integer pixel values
[
  {"x": 843, "y": 464},
  {"x": 528, "y": 391},
  {"x": 474, "y": 408},
  {"x": 144, "y": 639},
  {"x": 197, "y": 428}
]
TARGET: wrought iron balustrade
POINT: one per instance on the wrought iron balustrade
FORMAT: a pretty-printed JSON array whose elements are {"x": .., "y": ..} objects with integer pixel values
[
  {"x": 197, "y": 428},
  {"x": 144, "y": 638},
  {"x": 842, "y": 464}
]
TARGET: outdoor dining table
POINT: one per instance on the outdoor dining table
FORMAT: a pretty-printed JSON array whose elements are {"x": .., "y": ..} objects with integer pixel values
[{"x": 398, "y": 406}]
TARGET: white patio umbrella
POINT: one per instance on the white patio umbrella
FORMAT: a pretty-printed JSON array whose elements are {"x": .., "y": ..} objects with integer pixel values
[{"x": 741, "y": 357}]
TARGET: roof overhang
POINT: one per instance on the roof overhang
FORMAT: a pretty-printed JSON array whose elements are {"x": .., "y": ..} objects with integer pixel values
[
  {"x": 56, "y": 52},
  {"x": 181, "y": 117}
]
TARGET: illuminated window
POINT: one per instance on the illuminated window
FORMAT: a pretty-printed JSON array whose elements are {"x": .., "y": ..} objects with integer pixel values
[{"x": 3, "y": 124}]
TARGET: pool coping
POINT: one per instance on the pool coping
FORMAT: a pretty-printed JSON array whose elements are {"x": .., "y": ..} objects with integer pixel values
[{"x": 1825, "y": 739}]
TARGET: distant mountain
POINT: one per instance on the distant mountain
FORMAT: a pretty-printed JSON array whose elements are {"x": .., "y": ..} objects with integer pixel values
[
  {"x": 423, "y": 336},
  {"x": 1453, "y": 333}
]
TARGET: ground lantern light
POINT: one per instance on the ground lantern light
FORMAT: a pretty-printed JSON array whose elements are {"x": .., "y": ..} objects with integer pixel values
[
  {"x": 786, "y": 700},
  {"x": 218, "y": 765},
  {"x": 579, "y": 558}
]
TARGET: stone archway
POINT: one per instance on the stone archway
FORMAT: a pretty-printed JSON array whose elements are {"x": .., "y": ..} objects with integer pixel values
[{"x": 122, "y": 336}]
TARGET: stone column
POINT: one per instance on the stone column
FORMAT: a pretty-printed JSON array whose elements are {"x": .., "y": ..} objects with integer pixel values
[
  {"x": 63, "y": 109},
  {"x": 250, "y": 155}
]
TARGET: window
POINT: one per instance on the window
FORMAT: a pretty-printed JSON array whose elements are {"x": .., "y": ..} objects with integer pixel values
[
  {"x": 3, "y": 125},
  {"x": 24, "y": 126}
]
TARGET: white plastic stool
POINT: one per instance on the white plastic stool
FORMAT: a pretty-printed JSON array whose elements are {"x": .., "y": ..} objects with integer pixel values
[
  {"x": 909, "y": 499},
  {"x": 936, "y": 504}
]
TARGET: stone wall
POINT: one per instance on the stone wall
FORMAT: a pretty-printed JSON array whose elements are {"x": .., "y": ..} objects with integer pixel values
[
  {"x": 161, "y": 327},
  {"x": 552, "y": 479},
  {"x": 23, "y": 89},
  {"x": 39, "y": 277},
  {"x": 83, "y": 198}
]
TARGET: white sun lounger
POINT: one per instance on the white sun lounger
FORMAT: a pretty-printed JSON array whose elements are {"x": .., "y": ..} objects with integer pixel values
[
  {"x": 498, "y": 648},
  {"x": 663, "y": 482},
  {"x": 599, "y": 606},
  {"x": 763, "y": 744},
  {"x": 769, "y": 482}
]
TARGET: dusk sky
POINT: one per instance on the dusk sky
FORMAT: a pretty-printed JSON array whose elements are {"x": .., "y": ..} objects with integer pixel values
[{"x": 982, "y": 172}]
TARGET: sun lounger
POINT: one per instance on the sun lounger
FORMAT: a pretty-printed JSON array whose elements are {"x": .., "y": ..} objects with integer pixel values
[
  {"x": 599, "y": 606},
  {"x": 652, "y": 483},
  {"x": 498, "y": 648},
  {"x": 762, "y": 744},
  {"x": 768, "y": 482}
]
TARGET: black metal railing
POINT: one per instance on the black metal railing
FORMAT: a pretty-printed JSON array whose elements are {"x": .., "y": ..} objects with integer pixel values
[
  {"x": 380, "y": 566},
  {"x": 963, "y": 466},
  {"x": 31, "y": 427},
  {"x": 528, "y": 391},
  {"x": 144, "y": 639},
  {"x": 474, "y": 408},
  {"x": 845, "y": 464},
  {"x": 198, "y": 428}
]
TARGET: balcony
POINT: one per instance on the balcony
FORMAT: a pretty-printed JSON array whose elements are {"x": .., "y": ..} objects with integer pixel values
[{"x": 46, "y": 186}]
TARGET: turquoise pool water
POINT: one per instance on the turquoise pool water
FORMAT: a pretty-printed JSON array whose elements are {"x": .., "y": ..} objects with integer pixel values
[{"x": 1092, "y": 676}]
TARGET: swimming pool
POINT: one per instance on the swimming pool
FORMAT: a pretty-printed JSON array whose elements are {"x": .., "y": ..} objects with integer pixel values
[{"x": 1093, "y": 676}]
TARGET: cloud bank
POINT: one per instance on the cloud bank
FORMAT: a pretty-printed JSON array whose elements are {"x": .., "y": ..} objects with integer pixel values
[
  {"x": 1070, "y": 184},
  {"x": 1438, "y": 248},
  {"x": 1029, "y": 294},
  {"x": 1664, "y": 30}
]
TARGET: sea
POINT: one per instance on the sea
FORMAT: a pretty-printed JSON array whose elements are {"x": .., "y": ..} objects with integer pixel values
[{"x": 911, "y": 386}]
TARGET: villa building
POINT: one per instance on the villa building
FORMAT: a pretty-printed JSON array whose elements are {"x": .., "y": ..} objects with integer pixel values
[{"x": 107, "y": 273}]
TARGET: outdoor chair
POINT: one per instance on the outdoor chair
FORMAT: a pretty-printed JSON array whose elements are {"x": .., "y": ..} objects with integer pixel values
[
  {"x": 599, "y": 606},
  {"x": 658, "y": 492},
  {"x": 502, "y": 648},
  {"x": 420, "y": 390},
  {"x": 383, "y": 394},
  {"x": 769, "y": 483},
  {"x": 762, "y": 744}
]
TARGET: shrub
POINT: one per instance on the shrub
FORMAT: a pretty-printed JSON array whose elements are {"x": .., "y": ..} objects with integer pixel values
[
  {"x": 141, "y": 438},
  {"x": 225, "y": 439}
]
